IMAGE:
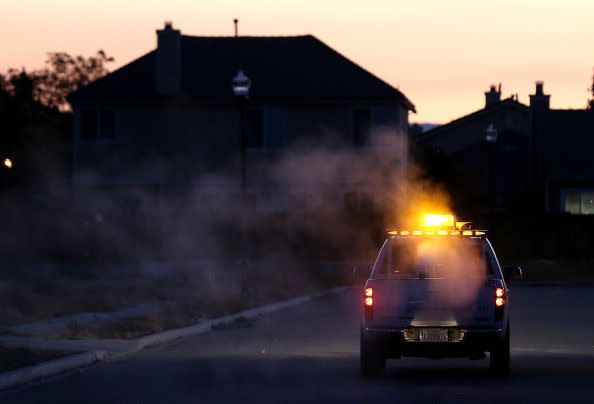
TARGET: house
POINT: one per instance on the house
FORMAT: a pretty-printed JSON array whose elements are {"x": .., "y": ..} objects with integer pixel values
[
  {"x": 169, "y": 119},
  {"x": 520, "y": 157}
]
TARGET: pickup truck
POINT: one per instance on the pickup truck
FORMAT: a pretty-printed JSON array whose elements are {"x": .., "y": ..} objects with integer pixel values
[{"x": 436, "y": 294}]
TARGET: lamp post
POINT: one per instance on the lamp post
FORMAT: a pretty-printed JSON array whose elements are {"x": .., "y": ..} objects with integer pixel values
[
  {"x": 241, "y": 88},
  {"x": 491, "y": 139}
]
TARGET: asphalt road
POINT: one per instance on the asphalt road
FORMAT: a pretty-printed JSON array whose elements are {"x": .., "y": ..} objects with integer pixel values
[{"x": 310, "y": 353}]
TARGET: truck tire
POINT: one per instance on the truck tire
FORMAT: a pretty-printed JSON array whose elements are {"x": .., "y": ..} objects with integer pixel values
[
  {"x": 500, "y": 357},
  {"x": 373, "y": 362}
]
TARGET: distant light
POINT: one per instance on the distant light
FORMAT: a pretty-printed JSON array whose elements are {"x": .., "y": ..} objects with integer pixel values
[
  {"x": 369, "y": 292},
  {"x": 7, "y": 163},
  {"x": 369, "y": 301},
  {"x": 499, "y": 292},
  {"x": 499, "y": 302}
]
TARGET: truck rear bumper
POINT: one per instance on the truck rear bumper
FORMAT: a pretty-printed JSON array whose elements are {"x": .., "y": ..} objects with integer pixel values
[{"x": 394, "y": 344}]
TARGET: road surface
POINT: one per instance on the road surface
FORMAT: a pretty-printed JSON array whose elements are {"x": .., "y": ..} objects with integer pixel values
[{"x": 310, "y": 353}]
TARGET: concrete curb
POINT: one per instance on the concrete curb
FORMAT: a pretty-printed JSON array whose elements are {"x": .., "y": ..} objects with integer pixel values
[
  {"x": 53, "y": 367},
  {"x": 206, "y": 326},
  {"x": 49, "y": 368}
]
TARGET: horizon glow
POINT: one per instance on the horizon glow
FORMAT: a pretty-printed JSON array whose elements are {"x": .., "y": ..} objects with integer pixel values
[{"x": 442, "y": 55}]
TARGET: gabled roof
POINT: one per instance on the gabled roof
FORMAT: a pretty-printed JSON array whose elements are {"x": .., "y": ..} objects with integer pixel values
[
  {"x": 506, "y": 103},
  {"x": 297, "y": 67}
]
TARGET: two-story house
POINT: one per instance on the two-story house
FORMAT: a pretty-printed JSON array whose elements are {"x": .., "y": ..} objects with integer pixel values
[
  {"x": 522, "y": 157},
  {"x": 169, "y": 119}
]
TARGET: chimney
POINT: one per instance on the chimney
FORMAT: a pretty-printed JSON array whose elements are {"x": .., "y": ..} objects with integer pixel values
[
  {"x": 540, "y": 101},
  {"x": 168, "y": 64},
  {"x": 493, "y": 96}
]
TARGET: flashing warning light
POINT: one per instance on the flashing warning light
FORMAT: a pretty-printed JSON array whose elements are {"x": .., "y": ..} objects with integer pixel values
[
  {"x": 369, "y": 301},
  {"x": 435, "y": 220},
  {"x": 368, "y": 292}
]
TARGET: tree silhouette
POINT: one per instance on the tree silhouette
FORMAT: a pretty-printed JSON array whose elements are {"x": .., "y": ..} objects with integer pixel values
[
  {"x": 64, "y": 74},
  {"x": 591, "y": 90}
]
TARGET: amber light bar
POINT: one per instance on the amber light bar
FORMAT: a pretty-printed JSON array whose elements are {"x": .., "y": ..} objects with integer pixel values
[{"x": 467, "y": 233}]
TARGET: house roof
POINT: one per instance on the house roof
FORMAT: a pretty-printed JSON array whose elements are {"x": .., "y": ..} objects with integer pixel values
[
  {"x": 296, "y": 67},
  {"x": 506, "y": 103}
]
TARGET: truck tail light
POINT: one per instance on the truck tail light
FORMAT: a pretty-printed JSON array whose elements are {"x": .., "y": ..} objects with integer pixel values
[
  {"x": 499, "y": 297},
  {"x": 500, "y": 300},
  {"x": 368, "y": 303}
]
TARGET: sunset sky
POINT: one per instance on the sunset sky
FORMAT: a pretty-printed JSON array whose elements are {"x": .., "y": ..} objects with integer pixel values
[{"x": 442, "y": 54}]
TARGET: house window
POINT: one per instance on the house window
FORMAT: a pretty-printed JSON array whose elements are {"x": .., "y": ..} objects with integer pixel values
[
  {"x": 366, "y": 202},
  {"x": 275, "y": 128},
  {"x": 97, "y": 126},
  {"x": 107, "y": 124},
  {"x": 255, "y": 132},
  {"x": 88, "y": 125},
  {"x": 266, "y": 128},
  {"x": 361, "y": 127},
  {"x": 579, "y": 202}
]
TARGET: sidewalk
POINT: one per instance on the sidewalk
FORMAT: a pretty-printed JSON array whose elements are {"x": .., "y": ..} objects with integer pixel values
[
  {"x": 56, "y": 325},
  {"x": 82, "y": 345},
  {"x": 94, "y": 350}
]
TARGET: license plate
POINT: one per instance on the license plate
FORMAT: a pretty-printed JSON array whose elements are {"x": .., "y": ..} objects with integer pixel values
[{"x": 434, "y": 335}]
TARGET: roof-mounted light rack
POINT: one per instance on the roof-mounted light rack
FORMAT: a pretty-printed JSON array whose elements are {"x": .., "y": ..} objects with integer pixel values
[
  {"x": 441, "y": 232},
  {"x": 439, "y": 225}
]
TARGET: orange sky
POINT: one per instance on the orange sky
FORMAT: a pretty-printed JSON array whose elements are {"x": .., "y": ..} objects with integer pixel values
[{"x": 442, "y": 54}]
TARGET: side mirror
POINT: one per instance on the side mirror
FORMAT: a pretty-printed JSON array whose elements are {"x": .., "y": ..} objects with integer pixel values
[{"x": 512, "y": 273}]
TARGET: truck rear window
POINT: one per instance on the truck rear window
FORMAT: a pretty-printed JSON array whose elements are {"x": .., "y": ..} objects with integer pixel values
[{"x": 432, "y": 257}]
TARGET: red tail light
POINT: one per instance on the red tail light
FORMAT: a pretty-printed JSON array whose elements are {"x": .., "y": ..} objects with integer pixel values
[
  {"x": 499, "y": 297},
  {"x": 368, "y": 303},
  {"x": 368, "y": 299},
  {"x": 500, "y": 300}
]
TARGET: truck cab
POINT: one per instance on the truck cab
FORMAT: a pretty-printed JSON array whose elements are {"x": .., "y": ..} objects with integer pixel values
[{"x": 436, "y": 293}]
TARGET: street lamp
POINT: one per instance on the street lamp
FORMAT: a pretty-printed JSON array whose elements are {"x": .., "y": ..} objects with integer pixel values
[
  {"x": 241, "y": 88},
  {"x": 491, "y": 134},
  {"x": 491, "y": 139}
]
